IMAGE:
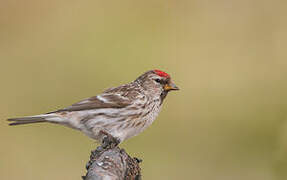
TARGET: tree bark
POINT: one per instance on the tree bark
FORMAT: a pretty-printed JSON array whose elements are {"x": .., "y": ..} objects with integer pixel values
[{"x": 112, "y": 164}]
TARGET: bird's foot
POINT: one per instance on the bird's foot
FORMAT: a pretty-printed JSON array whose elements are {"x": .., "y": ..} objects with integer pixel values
[{"x": 108, "y": 141}]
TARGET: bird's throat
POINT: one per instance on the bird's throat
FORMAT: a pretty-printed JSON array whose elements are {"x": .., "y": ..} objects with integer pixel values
[{"x": 162, "y": 96}]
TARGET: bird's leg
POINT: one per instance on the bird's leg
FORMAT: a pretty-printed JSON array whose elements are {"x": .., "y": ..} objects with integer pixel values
[{"x": 108, "y": 141}]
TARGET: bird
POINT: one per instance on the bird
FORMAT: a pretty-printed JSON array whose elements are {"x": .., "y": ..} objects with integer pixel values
[{"x": 115, "y": 115}]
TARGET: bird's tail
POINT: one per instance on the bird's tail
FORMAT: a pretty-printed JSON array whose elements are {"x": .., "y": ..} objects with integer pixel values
[{"x": 33, "y": 119}]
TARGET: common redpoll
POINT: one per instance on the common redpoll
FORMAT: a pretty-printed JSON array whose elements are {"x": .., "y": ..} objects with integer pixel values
[{"x": 120, "y": 112}]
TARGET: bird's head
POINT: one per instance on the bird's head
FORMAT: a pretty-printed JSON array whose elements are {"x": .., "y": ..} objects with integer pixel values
[{"x": 157, "y": 83}]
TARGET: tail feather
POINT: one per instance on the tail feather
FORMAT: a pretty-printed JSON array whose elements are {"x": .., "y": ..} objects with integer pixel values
[
  {"x": 34, "y": 119},
  {"x": 26, "y": 120}
]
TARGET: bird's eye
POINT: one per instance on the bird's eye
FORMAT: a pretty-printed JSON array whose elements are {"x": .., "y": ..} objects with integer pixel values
[{"x": 158, "y": 80}]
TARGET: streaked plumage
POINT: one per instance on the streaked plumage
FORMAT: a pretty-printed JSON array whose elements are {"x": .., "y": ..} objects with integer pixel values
[{"x": 122, "y": 112}]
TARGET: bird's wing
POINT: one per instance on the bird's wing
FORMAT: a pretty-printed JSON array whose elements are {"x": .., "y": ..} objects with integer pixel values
[{"x": 111, "y": 98}]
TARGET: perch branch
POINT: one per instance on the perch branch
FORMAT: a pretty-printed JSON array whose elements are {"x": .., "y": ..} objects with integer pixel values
[{"x": 112, "y": 164}]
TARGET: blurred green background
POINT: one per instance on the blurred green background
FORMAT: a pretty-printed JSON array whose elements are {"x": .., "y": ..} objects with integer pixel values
[{"x": 227, "y": 56}]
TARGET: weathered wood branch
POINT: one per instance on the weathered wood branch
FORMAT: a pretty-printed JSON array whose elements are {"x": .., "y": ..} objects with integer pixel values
[{"x": 112, "y": 164}]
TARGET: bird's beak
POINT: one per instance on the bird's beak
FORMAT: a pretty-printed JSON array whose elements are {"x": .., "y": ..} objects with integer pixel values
[{"x": 170, "y": 86}]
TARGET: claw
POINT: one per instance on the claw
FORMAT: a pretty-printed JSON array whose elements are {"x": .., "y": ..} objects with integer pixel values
[
  {"x": 108, "y": 141},
  {"x": 88, "y": 165}
]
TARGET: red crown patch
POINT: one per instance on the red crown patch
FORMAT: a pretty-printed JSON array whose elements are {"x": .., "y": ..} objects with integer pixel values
[{"x": 161, "y": 73}]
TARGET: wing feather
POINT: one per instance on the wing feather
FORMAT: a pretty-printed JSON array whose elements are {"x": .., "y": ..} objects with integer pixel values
[
  {"x": 119, "y": 97},
  {"x": 95, "y": 103}
]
